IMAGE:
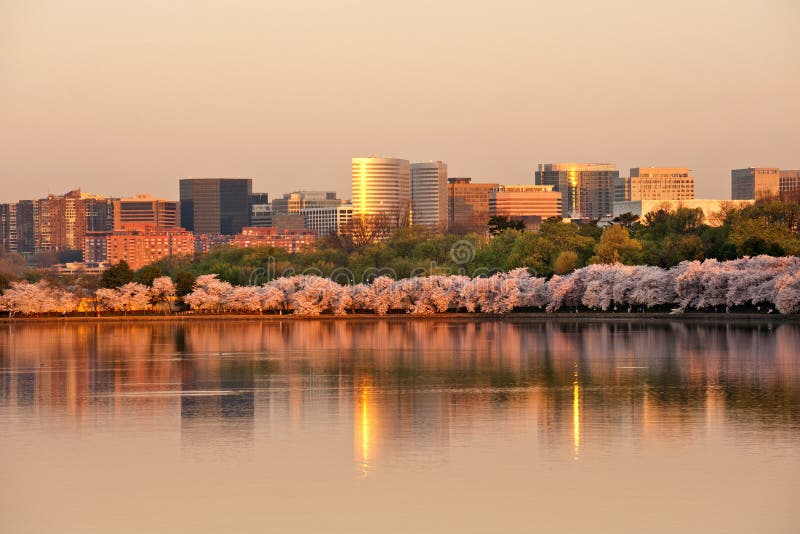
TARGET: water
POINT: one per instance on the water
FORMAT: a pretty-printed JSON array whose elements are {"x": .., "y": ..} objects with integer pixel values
[{"x": 400, "y": 426}]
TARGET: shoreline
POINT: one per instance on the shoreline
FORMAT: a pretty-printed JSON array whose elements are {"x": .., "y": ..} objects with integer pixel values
[{"x": 453, "y": 317}]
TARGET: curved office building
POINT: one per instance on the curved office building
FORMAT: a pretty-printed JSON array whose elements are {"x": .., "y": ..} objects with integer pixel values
[{"x": 382, "y": 185}]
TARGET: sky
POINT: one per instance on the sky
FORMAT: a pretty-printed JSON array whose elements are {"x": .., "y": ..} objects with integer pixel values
[{"x": 120, "y": 98}]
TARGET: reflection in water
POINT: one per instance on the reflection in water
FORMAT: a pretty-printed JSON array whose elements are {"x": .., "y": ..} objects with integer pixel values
[
  {"x": 436, "y": 396},
  {"x": 576, "y": 414},
  {"x": 364, "y": 429},
  {"x": 646, "y": 380}
]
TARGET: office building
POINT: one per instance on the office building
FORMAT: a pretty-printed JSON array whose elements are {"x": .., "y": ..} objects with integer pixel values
[
  {"x": 587, "y": 189},
  {"x": 215, "y": 205},
  {"x": 382, "y": 187},
  {"x": 711, "y": 207},
  {"x": 295, "y": 222},
  {"x": 525, "y": 201},
  {"x": 656, "y": 183},
  {"x": 429, "y": 195},
  {"x": 789, "y": 181},
  {"x": 326, "y": 221},
  {"x": 298, "y": 200},
  {"x": 289, "y": 240},
  {"x": 260, "y": 210},
  {"x": 622, "y": 189},
  {"x": 754, "y": 183},
  {"x": 468, "y": 205},
  {"x": 145, "y": 212}
]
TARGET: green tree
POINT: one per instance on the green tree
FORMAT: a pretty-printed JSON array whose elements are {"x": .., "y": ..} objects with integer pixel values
[
  {"x": 770, "y": 227},
  {"x": 626, "y": 219},
  {"x": 184, "y": 281},
  {"x": 147, "y": 274},
  {"x": 565, "y": 262},
  {"x": 117, "y": 275},
  {"x": 499, "y": 223},
  {"x": 617, "y": 246},
  {"x": 755, "y": 246}
]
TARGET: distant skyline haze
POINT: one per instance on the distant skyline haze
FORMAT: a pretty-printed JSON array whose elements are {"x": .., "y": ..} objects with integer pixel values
[{"x": 120, "y": 98}]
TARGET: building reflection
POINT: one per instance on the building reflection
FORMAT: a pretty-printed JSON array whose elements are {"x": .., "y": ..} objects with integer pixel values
[
  {"x": 365, "y": 424},
  {"x": 409, "y": 390},
  {"x": 576, "y": 415}
]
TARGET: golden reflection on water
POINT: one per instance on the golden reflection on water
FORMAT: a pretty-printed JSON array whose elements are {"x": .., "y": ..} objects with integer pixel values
[
  {"x": 576, "y": 416},
  {"x": 364, "y": 430}
]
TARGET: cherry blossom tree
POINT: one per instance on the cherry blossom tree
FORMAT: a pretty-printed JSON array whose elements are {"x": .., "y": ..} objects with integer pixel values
[
  {"x": 565, "y": 290},
  {"x": 28, "y": 299},
  {"x": 209, "y": 293},
  {"x": 162, "y": 290},
  {"x": 787, "y": 298},
  {"x": 129, "y": 297}
]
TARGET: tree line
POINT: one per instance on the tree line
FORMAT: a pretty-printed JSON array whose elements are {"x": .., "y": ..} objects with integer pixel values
[
  {"x": 663, "y": 239},
  {"x": 764, "y": 282}
]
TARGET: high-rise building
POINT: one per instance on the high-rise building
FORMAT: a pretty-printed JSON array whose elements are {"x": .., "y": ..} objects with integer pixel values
[
  {"x": 74, "y": 222},
  {"x": 330, "y": 220},
  {"x": 622, "y": 189},
  {"x": 656, "y": 183},
  {"x": 59, "y": 222},
  {"x": 755, "y": 182},
  {"x": 525, "y": 201},
  {"x": 429, "y": 194},
  {"x": 215, "y": 205},
  {"x": 145, "y": 212},
  {"x": 468, "y": 205},
  {"x": 297, "y": 200},
  {"x": 25, "y": 227},
  {"x": 99, "y": 213},
  {"x": 382, "y": 186},
  {"x": 260, "y": 210},
  {"x": 8, "y": 227},
  {"x": 587, "y": 189}
]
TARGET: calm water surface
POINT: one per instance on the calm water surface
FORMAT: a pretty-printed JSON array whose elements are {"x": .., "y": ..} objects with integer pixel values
[{"x": 400, "y": 426}]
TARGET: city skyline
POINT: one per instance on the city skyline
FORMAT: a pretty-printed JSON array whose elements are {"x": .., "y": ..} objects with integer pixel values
[{"x": 128, "y": 99}]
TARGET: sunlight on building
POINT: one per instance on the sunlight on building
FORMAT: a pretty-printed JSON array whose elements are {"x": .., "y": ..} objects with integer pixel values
[{"x": 363, "y": 189}]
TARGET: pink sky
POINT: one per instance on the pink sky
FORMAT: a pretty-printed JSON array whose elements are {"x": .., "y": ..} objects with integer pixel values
[{"x": 126, "y": 97}]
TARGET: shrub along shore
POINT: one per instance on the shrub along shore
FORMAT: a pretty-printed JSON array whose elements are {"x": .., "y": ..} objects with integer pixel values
[{"x": 761, "y": 284}]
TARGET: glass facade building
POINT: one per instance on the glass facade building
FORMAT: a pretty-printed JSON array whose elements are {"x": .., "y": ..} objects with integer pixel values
[
  {"x": 587, "y": 189},
  {"x": 215, "y": 205}
]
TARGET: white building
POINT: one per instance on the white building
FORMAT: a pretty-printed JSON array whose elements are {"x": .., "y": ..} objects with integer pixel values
[
  {"x": 710, "y": 207},
  {"x": 328, "y": 220},
  {"x": 382, "y": 186},
  {"x": 429, "y": 194},
  {"x": 658, "y": 183}
]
